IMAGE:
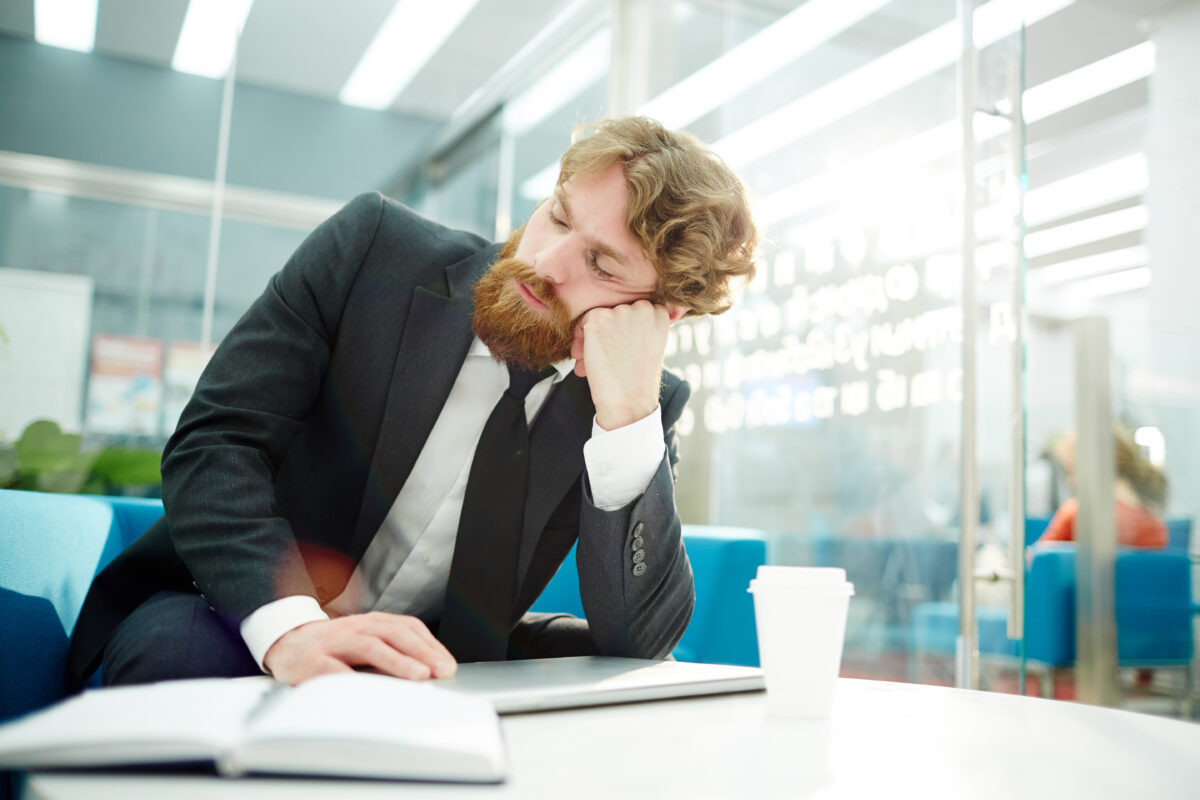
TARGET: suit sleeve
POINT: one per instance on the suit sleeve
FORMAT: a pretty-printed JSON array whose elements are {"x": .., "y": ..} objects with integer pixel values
[
  {"x": 634, "y": 577},
  {"x": 220, "y": 466}
]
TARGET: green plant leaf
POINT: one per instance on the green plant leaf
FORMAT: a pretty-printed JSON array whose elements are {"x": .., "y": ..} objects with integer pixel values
[
  {"x": 128, "y": 466},
  {"x": 43, "y": 445},
  {"x": 66, "y": 475},
  {"x": 9, "y": 465}
]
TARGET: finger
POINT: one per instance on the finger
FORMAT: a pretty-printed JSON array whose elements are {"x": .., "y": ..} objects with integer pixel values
[
  {"x": 324, "y": 665},
  {"x": 409, "y": 635},
  {"x": 578, "y": 350},
  {"x": 382, "y": 622},
  {"x": 327, "y": 665},
  {"x": 371, "y": 651},
  {"x": 577, "y": 342}
]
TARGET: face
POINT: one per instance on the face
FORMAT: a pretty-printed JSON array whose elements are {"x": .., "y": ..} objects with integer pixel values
[{"x": 574, "y": 254}]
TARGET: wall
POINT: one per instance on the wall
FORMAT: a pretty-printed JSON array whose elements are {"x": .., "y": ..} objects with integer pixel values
[{"x": 101, "y": 110}]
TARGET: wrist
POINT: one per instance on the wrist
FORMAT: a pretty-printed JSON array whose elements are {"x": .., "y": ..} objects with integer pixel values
[{"x": 614, "y": 417}]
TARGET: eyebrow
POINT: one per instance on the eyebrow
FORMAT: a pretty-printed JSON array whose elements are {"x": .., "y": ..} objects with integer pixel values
[{"x": 598, "y": 246}]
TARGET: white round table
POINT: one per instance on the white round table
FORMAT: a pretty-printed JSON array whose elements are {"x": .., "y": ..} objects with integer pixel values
[{"x": 885, "y": 740}]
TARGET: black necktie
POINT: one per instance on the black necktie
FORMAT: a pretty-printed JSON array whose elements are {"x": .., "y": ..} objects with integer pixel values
[{"x": 481, "y": 587}]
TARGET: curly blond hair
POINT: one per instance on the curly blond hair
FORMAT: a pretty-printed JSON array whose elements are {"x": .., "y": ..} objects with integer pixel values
[{"x": 687, "y": 208}]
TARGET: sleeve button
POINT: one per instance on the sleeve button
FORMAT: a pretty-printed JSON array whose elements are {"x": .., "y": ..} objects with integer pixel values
[
  {"x": 639, "y": 556},
  {"x": 639, "y": 570},
  {"x": 637, "y": 543}
]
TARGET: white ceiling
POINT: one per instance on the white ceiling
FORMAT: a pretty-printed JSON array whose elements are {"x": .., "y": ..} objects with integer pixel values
[{"x": 311, "y": 46}]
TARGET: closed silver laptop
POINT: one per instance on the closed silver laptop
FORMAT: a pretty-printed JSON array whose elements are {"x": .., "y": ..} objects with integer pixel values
[{"x": 551, "y": 683}]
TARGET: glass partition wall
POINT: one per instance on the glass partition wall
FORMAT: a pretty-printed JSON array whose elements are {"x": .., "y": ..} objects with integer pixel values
[
  {"x": 879, "y": 396},
  {"x": 827, "y": 407}
]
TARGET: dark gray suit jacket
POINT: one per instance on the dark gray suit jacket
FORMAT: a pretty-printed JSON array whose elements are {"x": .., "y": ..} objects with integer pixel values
[{"x": 309, "y": 418}]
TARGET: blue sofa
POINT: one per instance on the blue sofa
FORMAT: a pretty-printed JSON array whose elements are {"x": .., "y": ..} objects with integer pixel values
[{"x": 1153, "y": 612}]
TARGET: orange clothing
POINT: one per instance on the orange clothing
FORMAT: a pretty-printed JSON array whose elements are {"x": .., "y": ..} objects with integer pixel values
[{"x": 1136, "y": 527}]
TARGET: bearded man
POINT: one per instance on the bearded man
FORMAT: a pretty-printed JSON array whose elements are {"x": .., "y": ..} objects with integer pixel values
[{"x": 392, "y": 452}]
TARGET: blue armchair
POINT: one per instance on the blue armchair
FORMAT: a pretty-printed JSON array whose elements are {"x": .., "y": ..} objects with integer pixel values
[
  {"x": 1153, "y": 613},
  {"x": 723, "y": 560},
  {"x": 51, "y": 546}
]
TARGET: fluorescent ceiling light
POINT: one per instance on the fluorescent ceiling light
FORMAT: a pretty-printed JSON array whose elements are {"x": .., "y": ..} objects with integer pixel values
[
  {"x": 65, "y": 23},
  {"x": 1092, "y": 229},
  {"x": 209, "y": 36},
  {"x": 907, "y": 154},
  {"x": 1129, "y": 280},
  {"x": 586, "y": 65},
  {"x": 1107, "y": 183},
  {"x": 408, "y": 38},
  {"x": 1090, "y": 266},
  {"x": 555, "y": 30},
  {"x": 1095, "y": 79},
  {"x": 859, "y": 88},
  {"x": 1052, "y": 96},
  {"x": 919, "y": 58},
  {"x": 780, "y": 43}
]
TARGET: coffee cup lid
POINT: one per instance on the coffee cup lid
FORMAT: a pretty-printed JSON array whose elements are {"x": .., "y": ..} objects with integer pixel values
[
  {"x": 807, "y": 576},
  {"x": 757, "y": 586},
  {"x": 813, "y": 579}
]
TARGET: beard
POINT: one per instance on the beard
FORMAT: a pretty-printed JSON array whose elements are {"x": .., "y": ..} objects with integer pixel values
[{"x": 515, "y": 332}]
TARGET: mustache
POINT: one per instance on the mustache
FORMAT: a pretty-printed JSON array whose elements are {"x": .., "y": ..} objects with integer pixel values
[{"x": 512, "y": 330}]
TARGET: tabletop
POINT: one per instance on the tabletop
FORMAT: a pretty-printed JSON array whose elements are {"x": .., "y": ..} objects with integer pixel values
[{"x": 884, "y": 740}]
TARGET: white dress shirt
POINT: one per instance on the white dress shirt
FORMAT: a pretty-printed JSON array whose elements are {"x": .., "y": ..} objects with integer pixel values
[{"x": 406, "y": 565}]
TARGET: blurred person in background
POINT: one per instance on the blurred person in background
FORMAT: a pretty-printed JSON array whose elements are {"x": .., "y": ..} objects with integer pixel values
[{"x": 1140, "y": 491}]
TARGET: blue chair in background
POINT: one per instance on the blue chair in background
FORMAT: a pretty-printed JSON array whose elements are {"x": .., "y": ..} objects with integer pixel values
[
  {"x": 723, "y": 561},
  {"x": 1153, "y": 615},
  {"x": 51, "y": 546},
  {"x": 1179, "y": 533}
]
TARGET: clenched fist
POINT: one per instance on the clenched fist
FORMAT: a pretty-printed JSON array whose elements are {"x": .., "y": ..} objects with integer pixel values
[{"x": 620, "y": 351}]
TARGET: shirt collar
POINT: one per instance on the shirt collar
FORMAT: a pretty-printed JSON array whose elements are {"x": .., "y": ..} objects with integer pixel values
[{"x": 561, "y": 368}]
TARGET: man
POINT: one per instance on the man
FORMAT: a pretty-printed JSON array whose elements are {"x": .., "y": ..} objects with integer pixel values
[{"x": 345, "y": 489}]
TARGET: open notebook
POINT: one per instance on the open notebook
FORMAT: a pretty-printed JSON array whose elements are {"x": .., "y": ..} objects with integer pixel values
[{"x": 551, "y": 683}]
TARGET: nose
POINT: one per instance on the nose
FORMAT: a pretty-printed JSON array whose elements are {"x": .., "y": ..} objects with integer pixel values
[{"x": 553, "y": 262}]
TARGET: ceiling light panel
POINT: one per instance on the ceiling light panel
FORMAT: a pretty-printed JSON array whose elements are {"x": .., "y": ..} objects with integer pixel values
[
  {"x": 70, "y": 24},
  {"x": 583, "y": 67},
  {"x": 408, "y": 38},
  {"x": 209, "y": 36},
  {"x": 1130, "y": 280},
  {"x": 1095, "y": 79},
  {"x": 1089, "y": 266},
  {"x": 901, "y": 67},
  {"x": 777, "y": 45}
]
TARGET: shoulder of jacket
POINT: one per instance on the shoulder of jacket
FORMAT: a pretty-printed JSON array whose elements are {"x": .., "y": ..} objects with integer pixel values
[{"x": 397, "y": 219}]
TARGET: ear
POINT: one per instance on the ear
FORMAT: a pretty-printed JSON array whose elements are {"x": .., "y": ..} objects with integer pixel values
[{"x": 675, "y": 313}]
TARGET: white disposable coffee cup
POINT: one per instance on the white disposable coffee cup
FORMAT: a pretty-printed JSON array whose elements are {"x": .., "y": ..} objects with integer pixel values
[{"x": 800, "y": 614}]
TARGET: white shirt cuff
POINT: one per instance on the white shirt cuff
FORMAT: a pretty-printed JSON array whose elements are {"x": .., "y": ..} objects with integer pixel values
[
  {"x": 265, "y": 625},
  {"x": 621, "y": 462}
]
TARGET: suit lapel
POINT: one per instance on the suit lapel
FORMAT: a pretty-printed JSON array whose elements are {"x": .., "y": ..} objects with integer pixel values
[
  {"x": 555, "y": 459},
  {"x": 437, "y": 335}
]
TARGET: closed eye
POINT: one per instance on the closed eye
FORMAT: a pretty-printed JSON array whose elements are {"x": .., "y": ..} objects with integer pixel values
[{"x": 601, "y": 273}]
